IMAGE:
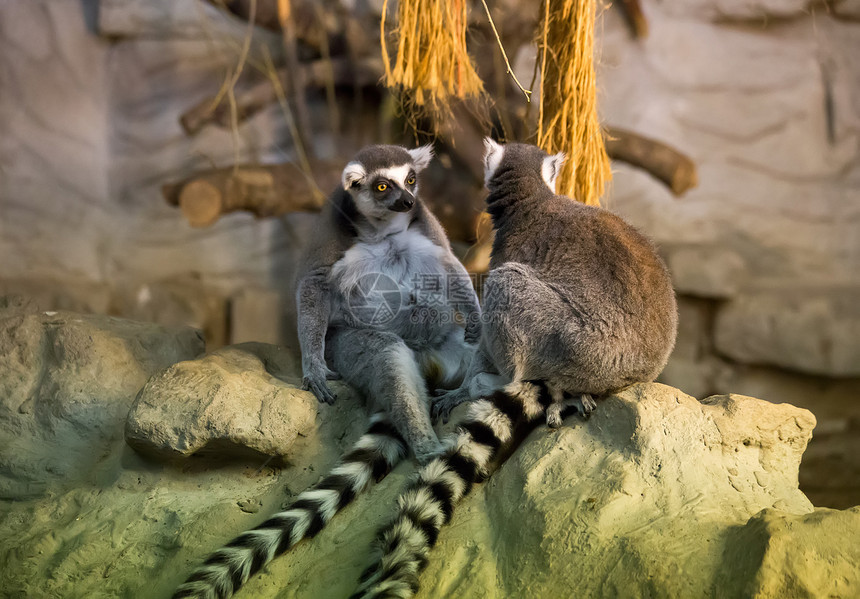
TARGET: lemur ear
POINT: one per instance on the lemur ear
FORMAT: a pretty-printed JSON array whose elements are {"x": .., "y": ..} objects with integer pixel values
[
  {"x": 551, "y": 167},
  {"x": 421, "y": 157},
  {"x": 493, "y": 153},
  {"x": 353, "y": 174}
]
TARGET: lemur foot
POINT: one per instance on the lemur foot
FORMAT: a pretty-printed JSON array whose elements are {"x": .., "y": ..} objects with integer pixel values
[
  {"x": 584, "y": 405},
  {"x": 447, "y": 401},
  {"x": 553, "y": 415}
]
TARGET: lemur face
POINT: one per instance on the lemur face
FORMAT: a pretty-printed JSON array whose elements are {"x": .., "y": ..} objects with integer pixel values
[
  {"x": 520, "y": 156},
  {"x": 383, "y": 180}
]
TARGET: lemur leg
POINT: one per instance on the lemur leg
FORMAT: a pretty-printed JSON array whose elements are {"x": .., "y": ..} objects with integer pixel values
[
  {"x": 485, "y": 376},
  {"x": 532, "y": 330},
  {"x": 380, "y": 366},
  {"x": 445, "y": 365},
  {"x": 553, "y": 412},
  {"x": 481, "y": 379}
]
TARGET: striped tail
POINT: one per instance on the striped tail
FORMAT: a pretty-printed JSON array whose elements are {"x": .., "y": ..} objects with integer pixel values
[
  {"x": 429, "y": 502},
  {"x": 371, "y": 458}
]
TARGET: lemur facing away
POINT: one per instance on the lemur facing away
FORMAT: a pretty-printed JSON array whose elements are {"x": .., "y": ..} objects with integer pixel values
[
  {"x": 577, "y": 303},
  {"x": 366, "y": 313}
]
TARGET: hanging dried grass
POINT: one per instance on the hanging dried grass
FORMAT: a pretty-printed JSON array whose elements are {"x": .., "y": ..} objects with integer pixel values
[
  {"x": 568, "y": 98},
  {"x": 432, "y": 66}
]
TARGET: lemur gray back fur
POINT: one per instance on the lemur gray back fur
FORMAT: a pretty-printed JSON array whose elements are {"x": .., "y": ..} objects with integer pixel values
[
  {"x": 576, "y": 303},
  {"x": 609, "y": 316}
]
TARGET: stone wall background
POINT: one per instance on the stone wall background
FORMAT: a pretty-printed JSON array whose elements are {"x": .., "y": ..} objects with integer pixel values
[{"x": 765, "y": 252}]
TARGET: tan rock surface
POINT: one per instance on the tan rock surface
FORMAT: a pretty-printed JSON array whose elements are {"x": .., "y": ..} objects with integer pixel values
[
  {"x": 707, "y": 271},
  {"x": 656, "y": 495},
  {"x": 651, "y": 497},
  {"x": 793, "y": 555},
  {"x": 225, "y": 403}
]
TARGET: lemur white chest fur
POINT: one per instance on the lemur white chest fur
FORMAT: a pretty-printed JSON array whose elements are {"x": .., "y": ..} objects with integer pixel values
[
  {"x": 400, "y": 257},
  {"x": 401, "y": 254}
]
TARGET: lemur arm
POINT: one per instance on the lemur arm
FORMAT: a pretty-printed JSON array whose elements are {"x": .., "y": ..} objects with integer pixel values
[
  {"x": 462, "y": 292},
  {"x": 313, "y": 304},
  {"x": 482, "y": 378}
]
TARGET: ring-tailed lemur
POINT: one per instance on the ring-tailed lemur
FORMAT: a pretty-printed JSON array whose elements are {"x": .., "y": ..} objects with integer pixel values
[
  {"x": 577, "y": 302},
  {"x": 365, "y": 310}
]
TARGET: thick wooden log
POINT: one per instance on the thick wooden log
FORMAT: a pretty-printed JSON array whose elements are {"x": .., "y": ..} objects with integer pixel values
[
  {"x": 265, "y": 11},
  {"x": 263, "y": 190},
  {"x": 665, "y": 163},
  {"x": 272, "y": 190}
]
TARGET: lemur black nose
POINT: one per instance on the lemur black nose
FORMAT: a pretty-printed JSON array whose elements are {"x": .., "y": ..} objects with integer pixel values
[{"x": 404, "y": 203}]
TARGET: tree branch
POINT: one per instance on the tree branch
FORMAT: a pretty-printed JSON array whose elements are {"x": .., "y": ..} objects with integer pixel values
[
  {"x": 667, "y": 164},
  {"x": 313, "y": 74}
]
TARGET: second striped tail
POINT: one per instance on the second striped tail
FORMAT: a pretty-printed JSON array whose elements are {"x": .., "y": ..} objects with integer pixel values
[{"x": 429, "y": 501}]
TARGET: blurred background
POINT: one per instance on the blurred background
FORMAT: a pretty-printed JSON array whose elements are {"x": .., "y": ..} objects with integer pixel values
[{"x": 116, "y": 116}]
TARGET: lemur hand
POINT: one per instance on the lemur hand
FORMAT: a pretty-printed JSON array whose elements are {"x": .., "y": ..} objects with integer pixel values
[{"x": 315, "y": 381}]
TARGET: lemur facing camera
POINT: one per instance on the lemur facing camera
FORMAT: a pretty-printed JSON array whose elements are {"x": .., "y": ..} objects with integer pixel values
[
  {"x": 365, "y": 314},
  {"x": 577, "y": 304}
]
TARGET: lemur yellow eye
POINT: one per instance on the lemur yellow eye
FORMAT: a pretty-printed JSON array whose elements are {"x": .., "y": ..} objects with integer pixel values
[
  {"x": 381, "y": 186},
  {"x": 410, "y": 180}
]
